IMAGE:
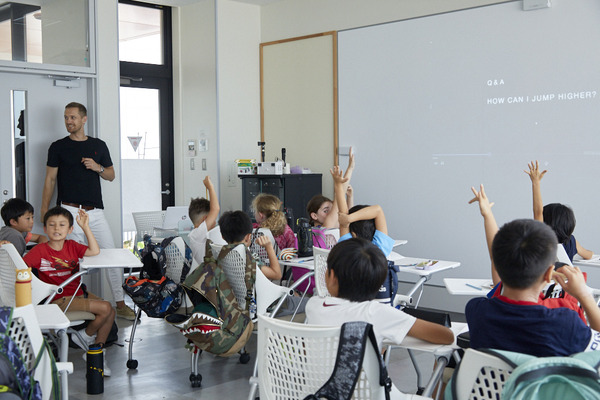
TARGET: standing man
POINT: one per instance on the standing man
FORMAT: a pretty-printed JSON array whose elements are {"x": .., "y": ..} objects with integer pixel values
[{"x": 77, "y": 162}]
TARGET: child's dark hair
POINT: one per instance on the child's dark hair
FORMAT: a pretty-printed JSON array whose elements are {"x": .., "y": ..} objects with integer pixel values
[
  {"x": 364, "y": 229},
  {"x": 313, "y": 206},
  {"x": 58, "y": 210},
  {"x": 561, "y": 219},
  {"x": 235, "y": 225},
  {"x": 198, "y": 208},
  {"x": 13, "y": 209},
  {"x": 360, "y": 268},
  {"x": 522, "y": 251}
]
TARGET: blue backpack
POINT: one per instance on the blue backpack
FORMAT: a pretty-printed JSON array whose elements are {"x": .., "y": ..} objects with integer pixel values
[{"x": 14, "y": 376}]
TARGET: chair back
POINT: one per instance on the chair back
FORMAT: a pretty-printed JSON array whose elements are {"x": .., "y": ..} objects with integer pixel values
[
  {"x": 295, "y": 360},
  {"x": 266, "y": 292},
  {"x": 320, "y": 263},
  {"x": 261, "y": 251},
  {"x": 480, "y": 375},
  {"x": 215, "y": 236},
  {"x": 234, "y": 265},
  {"x": 174, "y": 259},
  {"x": 10, "y": 261},
  {"x": 146, "y": 221},
  {"x": 25, "y": 332}
]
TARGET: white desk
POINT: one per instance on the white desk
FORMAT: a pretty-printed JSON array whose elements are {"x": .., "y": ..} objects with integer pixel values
[
  {"x": 468, "y": 287},
  {"x": 441, "y": 352},
  {"x": 111, "y": 258},
  {"x": 303, "y": 262},
  {"x": 593, "y": 262},
  {"x": 409, "y": 265}
]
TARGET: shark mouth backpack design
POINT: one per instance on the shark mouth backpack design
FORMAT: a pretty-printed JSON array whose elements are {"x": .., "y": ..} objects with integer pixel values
[{"x": 217, "y": 323}]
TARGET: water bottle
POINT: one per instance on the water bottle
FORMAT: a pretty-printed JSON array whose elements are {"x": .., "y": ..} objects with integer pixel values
[
  {"x": 95, "y": 370},
  {"x": 305, "y": 240}
]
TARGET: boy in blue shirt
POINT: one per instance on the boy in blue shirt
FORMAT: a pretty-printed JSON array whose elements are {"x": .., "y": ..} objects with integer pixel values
[{"x": 523, "y": 253}]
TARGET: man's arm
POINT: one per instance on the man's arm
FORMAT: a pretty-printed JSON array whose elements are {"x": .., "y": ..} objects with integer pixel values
[
  {"x": 83, "y": 221},
  {"x": 536, "y": 188},
  {"x": 573, "y": 281},
  {"x": 213, "y": 213},
  {"x": 489, "y": 224},
  {"x": 371, "y": 212},
  {"x": 49, "y": 184},
  {"x": 107, "y": 174}
]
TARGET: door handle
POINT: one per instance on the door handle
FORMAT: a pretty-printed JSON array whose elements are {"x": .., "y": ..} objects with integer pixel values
[{"x": 167, "y": 192}]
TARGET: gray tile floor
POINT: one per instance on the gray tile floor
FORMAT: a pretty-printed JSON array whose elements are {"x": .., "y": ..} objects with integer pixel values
[{"x": 164, "y": 368}]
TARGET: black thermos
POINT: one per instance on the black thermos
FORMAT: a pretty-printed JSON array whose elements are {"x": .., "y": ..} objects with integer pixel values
[{"x": 95, "y": 370}]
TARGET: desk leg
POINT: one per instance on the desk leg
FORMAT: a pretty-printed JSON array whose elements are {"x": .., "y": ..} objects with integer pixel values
[
  {"x": 441, "y": 363},
  {"x": 64, "y": 357}
]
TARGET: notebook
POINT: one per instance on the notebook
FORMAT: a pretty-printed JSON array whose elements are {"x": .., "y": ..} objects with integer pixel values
[{"x": 176, "y": 217}]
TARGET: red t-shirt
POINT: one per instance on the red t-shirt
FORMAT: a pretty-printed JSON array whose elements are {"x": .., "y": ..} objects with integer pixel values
[{"x": 55, "y": 267}]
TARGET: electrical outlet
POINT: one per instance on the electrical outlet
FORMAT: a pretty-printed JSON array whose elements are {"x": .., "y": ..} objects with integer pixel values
[
  {"x": 232, "y": 175},
  {"x": 192, "y": 164},
  {"x": 204, "y": 164}
]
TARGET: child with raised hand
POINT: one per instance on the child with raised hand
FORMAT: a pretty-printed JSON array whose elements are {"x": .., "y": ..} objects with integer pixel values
[
  {"x": 268, "y": 214},
  {"x": 322, "y": 211},
  {"x": 203, "y": 213},
  {"x": 58, "y": 259},
  {"x": 17, "y": 215},
  {"x": 491, "y": 229},
  {"x": 523, "y": 252},
  {"x": 236, "y": 228},
  {"x": 356, "y": 269},
  {"x": 367, "y": 222},
  {"x": 558, "y": 216}
]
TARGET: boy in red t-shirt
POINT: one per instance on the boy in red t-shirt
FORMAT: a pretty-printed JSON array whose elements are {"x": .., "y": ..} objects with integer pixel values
[{"x": 56, "y": 261}]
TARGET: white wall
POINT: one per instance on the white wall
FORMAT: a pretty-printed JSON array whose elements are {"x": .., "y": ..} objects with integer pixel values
[{"x": 292, "y": 18}]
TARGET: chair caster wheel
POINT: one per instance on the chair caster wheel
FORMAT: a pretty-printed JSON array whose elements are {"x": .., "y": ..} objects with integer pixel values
[
  {"x": 196, "y": 380},
  {"x": 132, "y": 364},
  {"x": 244, "y": 358}
]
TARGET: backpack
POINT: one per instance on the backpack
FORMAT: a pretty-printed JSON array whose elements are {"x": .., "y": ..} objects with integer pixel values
[
  {"x": 575, "y": 377},
  {"x": 154, "y": 293},
  {"x": 217, "y": 324},
  {"x": 389, "y": 289},
  {"x": 14, "y": 376},
  {"x": 549, "y": 378}
]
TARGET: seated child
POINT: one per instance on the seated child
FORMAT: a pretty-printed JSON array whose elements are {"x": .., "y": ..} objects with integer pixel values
[
  {"x": 203, "y": 213},
  {"x": 491, "y": 228},
  {"x": 367, "y": 222},
  {"x": 17, "y": 215},
  {"x": 558, "y": 216},
  {"x": 322, "y": 211},
  {"x": 236, "y": 228},
  {"x": 523, "y": 253},
  {"x": 55, "y": 261},
  {"x": 268, "y": 214},
  {"x": 356, "y": 270}
]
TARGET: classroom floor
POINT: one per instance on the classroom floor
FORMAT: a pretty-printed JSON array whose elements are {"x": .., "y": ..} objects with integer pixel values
[{"x": 164, "y": 368}]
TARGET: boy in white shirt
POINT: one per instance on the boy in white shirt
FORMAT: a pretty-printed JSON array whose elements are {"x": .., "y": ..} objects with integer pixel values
[
  {"x": 203, "y": 213},
  {"x": 356, "y": 269}
]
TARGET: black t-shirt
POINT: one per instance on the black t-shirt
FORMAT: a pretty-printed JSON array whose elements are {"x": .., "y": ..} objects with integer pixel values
[{"x": 76, "y": 184}]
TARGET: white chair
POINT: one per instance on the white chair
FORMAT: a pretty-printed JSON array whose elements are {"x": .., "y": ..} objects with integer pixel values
[
  {"x": 26, "y": 333},
  {"x": 145, "y": 222},
  {"x": 215, "y": 236},
  {"x": 261, "y": 251},
  {"x": 320, "y": 266},
  {"x": 295, "y": 360},
  {"x": 481, "y": 375}
]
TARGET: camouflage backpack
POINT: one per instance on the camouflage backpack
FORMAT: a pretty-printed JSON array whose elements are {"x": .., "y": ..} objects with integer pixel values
[{"x": 217, "y": 324}]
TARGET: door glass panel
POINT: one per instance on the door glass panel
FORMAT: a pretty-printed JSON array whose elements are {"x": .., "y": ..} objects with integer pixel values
[
  {"x": 140, "y": 34},
  {"x": 19, "y": 137},
  {"x": 140, "y": 154},
  {"x": 55, "y": 32}
]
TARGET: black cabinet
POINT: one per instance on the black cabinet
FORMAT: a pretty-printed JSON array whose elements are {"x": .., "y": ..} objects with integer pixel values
[{"x": 294, "y": 190}]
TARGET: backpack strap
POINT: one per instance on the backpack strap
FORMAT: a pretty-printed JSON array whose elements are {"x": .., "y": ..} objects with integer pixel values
[{"x": 348, "y": 363}]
